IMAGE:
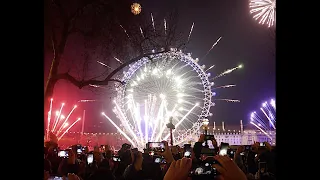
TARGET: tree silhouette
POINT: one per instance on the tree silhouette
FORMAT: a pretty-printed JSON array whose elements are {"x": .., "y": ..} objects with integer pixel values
[{"x": 80, "y": 32}]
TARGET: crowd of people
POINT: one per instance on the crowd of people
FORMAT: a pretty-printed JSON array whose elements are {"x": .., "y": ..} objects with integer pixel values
[{"x": 166, "y": 162}]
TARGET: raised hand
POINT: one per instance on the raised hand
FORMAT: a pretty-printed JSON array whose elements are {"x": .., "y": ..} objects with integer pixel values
[
  {"x": 228, "y": 169},
  {"x": 167, "y": 154},
  {"x": 179, "y": 169}
]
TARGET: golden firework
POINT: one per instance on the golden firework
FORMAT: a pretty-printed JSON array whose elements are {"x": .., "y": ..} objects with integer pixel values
[{"x": 136, "y": 8}]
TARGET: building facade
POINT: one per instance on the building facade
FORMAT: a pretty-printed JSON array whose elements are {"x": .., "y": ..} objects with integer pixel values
[
  {"x": 234, "y": 135},
  {"x": 237, "y": 135}
]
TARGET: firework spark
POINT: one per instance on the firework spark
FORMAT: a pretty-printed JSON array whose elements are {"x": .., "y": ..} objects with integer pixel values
[
  {"x": 87, "y": 100},
  {"x": 118, "y": 60},
  {"x": 210, "y": 68},
  {"x": 264, "y": 11},
  {"x": 60, "y": 124},
  {"x": 228, "y": 71},
  {"x": 125, "y": 31},
  {"x": 165, "y": 26},
  {"x": 266, "y": 119},
  {"x": 96, "y": 86},
  {"x": 214, "y": 44},
  {"x": 190, "y": 32},
  {"x": 103, "y": 64},
  {"x": 141, "y": 32},
  {"x": 154, "y": 28},
  {"x": 229, "y": 100},
  {"x": 225, "y": 86}
]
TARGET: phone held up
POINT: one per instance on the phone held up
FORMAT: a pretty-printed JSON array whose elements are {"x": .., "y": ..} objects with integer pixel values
[
  {"x": 155, "y": 146},
  {"x": 187, "y": 150},
  {"x": 223, "y": 149},
  {"x": 90, "y": 158}
]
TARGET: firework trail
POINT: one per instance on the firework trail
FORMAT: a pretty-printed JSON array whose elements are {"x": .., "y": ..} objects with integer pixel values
[
  {"x": 228, "y": 71},
  {"x": 69, "y": 128},
  {"x": 190, "y": 31},
  {"x": 154, "y": 28},
  {"x": 58, "y": 117},
  {"x": 263, "y": 131},
  {"x": 123, "y": 133},
  {"x": 265, "y": 10},
  {"x": 229, "y": 100},
  {"x": 225, "y": 86},
  {"x": 141, "y": 32},
  {"x": 66, "y": 119},
  {"x": 165, "y": 26},
  {"x": 266, "y": 119},
  {"x": 96, "y": 86},
  {"x": 58, "y": 126},
  {"x": 125, "y": 31},
  {"x": 214, "y": 44},
  {"x": 118, "y": 60},
  {"x": 210, "y": 68},
  {"x": 88, "y": 100},
  {"x": 103, "y": 64}
]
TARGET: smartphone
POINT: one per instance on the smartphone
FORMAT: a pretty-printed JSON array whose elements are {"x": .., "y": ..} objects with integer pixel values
[
  {"x": 247, "y": 147},
  {"x": 63, "y": 154},
  {"x": 262, "y": 167},
  {"x": 231, "y": 153},
  {"x": 57, "y": 178},
  {"x": 79, "y": 151},
  {"x": 223, "y": 149},
  {"x": 116, "y": 159},
  {"x": 157, "y": 160},
  {"x": 151, "y": 153},
  {"x": 203, "y": 170},
  {"x": 262, "y": 144},
  {"x": 89, "y": 158},
  {"x": 224, "y": 145},
  {"x": 187, "y": 151},
  {"x": 208, "y": 137},
  {"x": 155, "y": 146}
]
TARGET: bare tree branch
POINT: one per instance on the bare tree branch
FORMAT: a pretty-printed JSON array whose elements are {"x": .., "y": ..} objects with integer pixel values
[{"x": 83, "y": 83}]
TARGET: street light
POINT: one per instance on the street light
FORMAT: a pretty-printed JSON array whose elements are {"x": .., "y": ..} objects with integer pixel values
[{"x": 205, "y": 123}]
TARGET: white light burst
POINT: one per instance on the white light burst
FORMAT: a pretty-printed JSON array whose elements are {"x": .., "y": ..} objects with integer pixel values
[
  {"x": 264, "y": 11},
  {"x": 165, "y": 86},
  {"x": 265, "y": 120},
  {"x": 173, "y": 85}
]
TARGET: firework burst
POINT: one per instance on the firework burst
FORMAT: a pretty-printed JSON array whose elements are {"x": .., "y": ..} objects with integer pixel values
[
  {"x": 264, "y": 11},
  {"x": 167, "y": 85},
  {"x": 265, "y": 120},
  {"x": 59, "y": 124}
]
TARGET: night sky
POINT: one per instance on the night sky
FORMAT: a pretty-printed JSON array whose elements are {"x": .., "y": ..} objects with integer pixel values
[{"x": 244, "y": 41}]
